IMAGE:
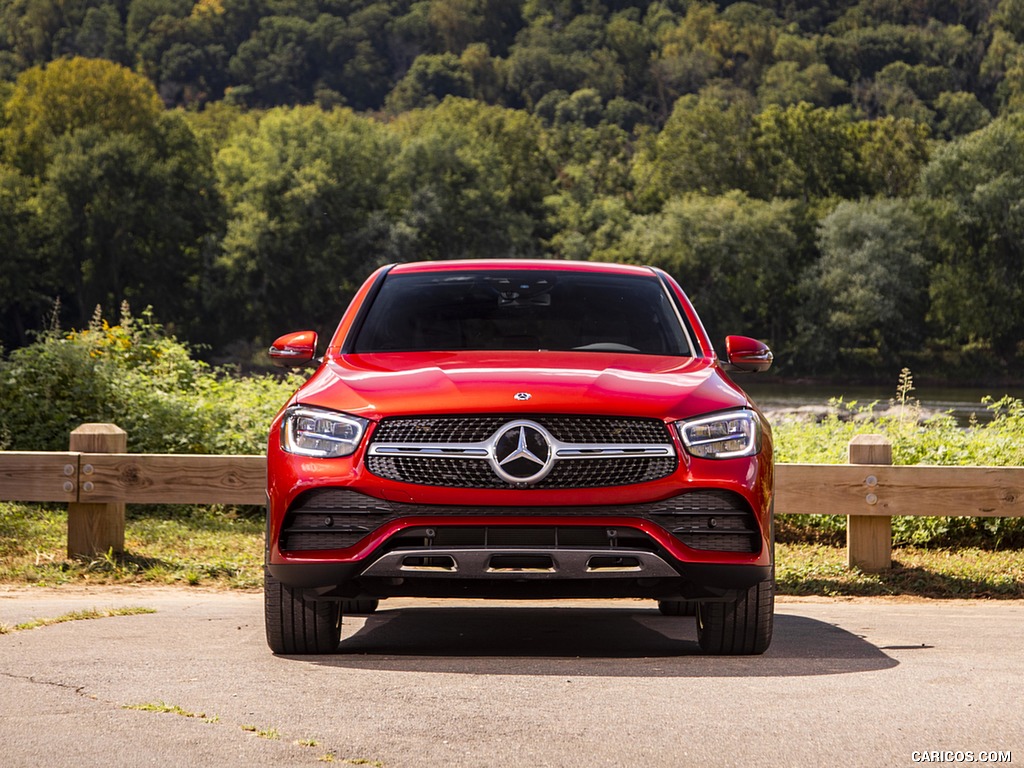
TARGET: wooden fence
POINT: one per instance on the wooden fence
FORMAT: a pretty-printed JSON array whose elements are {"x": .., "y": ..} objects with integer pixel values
[{"x": 96, "y": 477}]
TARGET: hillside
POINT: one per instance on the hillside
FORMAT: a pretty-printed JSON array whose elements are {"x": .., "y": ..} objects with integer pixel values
[{"x": 843, "y": 179}]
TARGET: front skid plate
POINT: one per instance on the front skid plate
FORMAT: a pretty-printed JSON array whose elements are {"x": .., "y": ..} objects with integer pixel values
[{"x": 525, "y": 563}]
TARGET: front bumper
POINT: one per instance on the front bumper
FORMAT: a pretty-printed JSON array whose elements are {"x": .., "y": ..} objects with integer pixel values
[
  {"x": 690, "y": 581},
  {"x": 702, "y": 533}
]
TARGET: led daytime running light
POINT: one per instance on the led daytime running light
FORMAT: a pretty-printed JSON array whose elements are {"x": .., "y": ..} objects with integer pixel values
[
  {"x": 319, "y": 433},
  {"x": 730, "y": 435}
]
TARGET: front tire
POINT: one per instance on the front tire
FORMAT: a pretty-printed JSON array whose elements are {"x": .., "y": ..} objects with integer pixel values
[
  {"x": 297, "y": 624},
  {"x": 743, "y": 627}
]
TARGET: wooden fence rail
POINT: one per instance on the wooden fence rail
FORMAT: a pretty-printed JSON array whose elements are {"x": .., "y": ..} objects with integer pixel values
[{"x": 96, "y": 478}]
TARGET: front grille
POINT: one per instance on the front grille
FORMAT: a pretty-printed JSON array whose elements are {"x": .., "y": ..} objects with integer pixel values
[
  {"x": 474, "y": 429},
  {"x": 584, "y": 431},
  {"x": 335, "y": 518},
  {"x": 473, "y": 473}
]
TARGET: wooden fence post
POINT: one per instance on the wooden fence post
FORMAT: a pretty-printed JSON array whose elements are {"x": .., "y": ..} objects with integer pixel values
[
  {"x": 869, "y": 537},
  {"x": 94, "y": 529}
]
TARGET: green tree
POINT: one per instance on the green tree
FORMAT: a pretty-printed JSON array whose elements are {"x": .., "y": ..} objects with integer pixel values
[
  {"x": 185, "y": 47},
  {"x": 468, "y": 181},
  {"x": 26, "y": 283},
  {"x": 632, "y": 45},
  {"x": 50, "y": 102},
  {"x": 459, "y": 22},
  {"x": 805, "y": 152},
  {"x": 366, "y": 63},
  {"x": 1003, "y": 66},
  {"x": 732, "y": 254},
  {"x": 428, "y": 81},
  {"x": 276, "y": 64},
  {"x": 101, "y": 34},
  {"x": 861, "y": 52},
  {"x": 977, "y": 186},
  {"x": 706, "y": 146},
  {"x": 735, "y": 44},
  {"x": 866, "y": 299},
  {"x": 787, "y": 82},
  {"x": 484, "y": 72},
  {"x": 121, "y": 196},
  {"x": 130, "y": 218},
  {"x": 960, "y": 113},
  {"x": 301, "y": 192},
  {"x": 890, "y": 155},
  {"x": 588, "y": 210}
]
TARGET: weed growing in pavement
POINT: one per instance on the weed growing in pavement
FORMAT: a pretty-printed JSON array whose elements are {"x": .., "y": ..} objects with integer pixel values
[
  {"x": 172, "y": 709},
  {"x": 267, "y": 733},
  {"x": 80, "y": 616}
]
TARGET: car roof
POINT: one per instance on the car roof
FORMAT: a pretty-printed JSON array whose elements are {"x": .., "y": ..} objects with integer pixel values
[{"x": 458, "y": 265}]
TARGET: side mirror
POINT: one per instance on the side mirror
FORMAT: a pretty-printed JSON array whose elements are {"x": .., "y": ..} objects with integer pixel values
[
  {"x": 294, "y": 349},
  {"x": 746, "y": 354}
]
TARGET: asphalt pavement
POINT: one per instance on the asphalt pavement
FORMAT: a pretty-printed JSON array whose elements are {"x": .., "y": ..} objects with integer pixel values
[{"x": 421, "y": 683}]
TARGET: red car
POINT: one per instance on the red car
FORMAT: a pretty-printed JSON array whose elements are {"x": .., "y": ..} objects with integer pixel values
[{"x": 525, "y": 429}]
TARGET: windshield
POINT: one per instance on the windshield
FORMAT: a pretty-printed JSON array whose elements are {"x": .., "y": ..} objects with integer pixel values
[{"x": 522, "y": 310}]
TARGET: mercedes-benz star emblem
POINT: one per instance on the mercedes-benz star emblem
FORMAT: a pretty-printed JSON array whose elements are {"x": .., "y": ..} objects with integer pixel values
[
  {"x": 521, "y": 396},
  {"x": 521, "y": 453}
]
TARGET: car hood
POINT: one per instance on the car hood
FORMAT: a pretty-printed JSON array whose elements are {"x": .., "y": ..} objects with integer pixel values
[{"x": 402, "y": 383}]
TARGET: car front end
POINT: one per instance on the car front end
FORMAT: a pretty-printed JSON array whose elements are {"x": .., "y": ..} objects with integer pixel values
[{"x": 521, "y": 429}]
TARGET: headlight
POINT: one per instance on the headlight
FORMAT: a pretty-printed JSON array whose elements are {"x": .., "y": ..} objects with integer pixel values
[
  {"x": 325, "y": 434},
  {"x": 727, "y": 435}
]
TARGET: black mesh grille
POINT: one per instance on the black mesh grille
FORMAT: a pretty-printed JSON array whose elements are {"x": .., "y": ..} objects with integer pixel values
[
  {"x": 335, "y": 518},
  {"x": 595, "y": 473},
  {"x": 450, "y": 473},
  {"x": 332, "y": 518},
  {"x": 299, "y": 541},
  {"x": 716, "y": 521}
]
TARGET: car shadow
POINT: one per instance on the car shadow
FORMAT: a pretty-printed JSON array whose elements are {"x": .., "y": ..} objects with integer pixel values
[{"x": 633, "y": 642}]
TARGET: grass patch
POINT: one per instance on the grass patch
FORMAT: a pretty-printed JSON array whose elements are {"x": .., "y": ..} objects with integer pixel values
[
  {"x": 820, "y": 569},
  {"x": 267, "y": 733},
  {"x": 173, "y": 709},
  {"x": 208, "y": 546},
  {"x": 76, "y": 616},
  {"x": 330, "y": 758}
]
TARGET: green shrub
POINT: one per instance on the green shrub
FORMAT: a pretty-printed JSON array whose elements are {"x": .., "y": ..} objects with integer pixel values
[
  {"x": 137, "y": 376},
  {"x": 934, "y": 440}
]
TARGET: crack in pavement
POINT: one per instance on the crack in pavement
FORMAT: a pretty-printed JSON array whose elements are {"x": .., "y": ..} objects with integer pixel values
[{"x": 53, "y": 683}]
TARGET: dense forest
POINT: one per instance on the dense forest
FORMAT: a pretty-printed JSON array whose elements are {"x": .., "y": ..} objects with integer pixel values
[{"x": 844, "y": 179}]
